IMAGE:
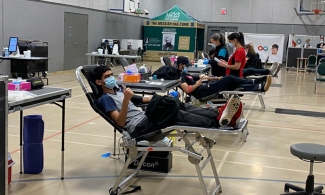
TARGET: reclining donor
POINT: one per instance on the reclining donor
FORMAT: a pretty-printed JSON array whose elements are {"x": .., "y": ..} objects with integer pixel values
[
  {"x": 119, "y": 105},
  {"x": 192, "y": 84}
]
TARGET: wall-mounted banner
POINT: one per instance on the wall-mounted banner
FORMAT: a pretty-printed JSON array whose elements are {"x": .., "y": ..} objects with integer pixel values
[
  {"x": 156, "y": 55},
  {"x": 267, "y": 45},
  {"x": 168, "y": 39},
  {"x": 175, "y": 24},
  {"x": 184, "y": 43}
]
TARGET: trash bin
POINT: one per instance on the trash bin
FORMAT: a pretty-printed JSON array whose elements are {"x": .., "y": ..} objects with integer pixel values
[
  {"x": 10, "y": 163},
  {"x": 33, "y": 154}
]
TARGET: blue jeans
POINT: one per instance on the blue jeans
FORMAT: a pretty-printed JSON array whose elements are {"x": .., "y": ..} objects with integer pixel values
[{"x": 253, "y": 71}]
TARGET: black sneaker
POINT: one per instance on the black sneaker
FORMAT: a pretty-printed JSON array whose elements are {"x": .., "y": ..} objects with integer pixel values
[{"x": 259, "y": 80}]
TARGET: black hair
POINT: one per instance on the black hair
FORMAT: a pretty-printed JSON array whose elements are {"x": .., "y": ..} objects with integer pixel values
[
  {"x": 211, "y": 52},
  {"x": 239, "y": 36},
  {"x": 276, "y": 46},
  {"x": 97, "y": 75}
]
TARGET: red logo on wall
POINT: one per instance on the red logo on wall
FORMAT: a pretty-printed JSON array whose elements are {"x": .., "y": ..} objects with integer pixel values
[{"x": 223, "y": 11}]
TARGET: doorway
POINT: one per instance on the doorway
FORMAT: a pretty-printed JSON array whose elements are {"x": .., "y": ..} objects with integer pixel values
[{"x": 75, "y": 40}]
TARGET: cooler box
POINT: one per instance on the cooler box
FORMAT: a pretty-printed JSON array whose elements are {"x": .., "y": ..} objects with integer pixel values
[
  {"x": 24, "y": 86},
  {"x": 10, "y": 163},
  {"x": 156, "y": 161},
  {"x": 155, "y": 164},
  {"x": 132, "y": 78}
]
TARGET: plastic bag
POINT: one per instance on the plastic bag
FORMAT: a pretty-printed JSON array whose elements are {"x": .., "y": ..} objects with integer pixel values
[{"x": 19, "y": 95}]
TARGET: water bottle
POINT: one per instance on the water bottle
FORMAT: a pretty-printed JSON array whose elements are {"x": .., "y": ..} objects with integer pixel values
[
  {"x": 6, "y": 52},
  {"x": 3, "y": 52}
]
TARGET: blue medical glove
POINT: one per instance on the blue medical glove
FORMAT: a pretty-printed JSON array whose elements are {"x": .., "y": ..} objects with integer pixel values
[
  {"x": 206, "y": 61},
  {"x": 174, "y": 94}
]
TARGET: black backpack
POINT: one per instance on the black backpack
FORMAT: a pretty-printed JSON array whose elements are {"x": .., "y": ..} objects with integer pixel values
[
  {"x": 167, "y": 73},
  {"x": 162, "y": 110}
]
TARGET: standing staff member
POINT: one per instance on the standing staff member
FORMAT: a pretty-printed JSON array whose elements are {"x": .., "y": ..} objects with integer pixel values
[
  {"x": 321, "y": 43},
  {"x": 237, "y": 61},
  {"x": 219, "y": 51}
]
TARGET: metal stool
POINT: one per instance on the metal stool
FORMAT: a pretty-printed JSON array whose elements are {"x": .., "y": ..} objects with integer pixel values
[{"x": 312, "y": 153}]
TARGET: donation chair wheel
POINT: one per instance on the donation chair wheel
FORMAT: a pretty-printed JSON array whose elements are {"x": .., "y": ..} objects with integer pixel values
[{"x": 114, "y": 193}]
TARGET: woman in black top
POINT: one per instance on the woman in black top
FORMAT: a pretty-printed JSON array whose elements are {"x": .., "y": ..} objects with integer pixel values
[
  {"x": 251, "y": 60},
  {"x": 219, "y": 51},
  {"x": 251, "y": 57}
]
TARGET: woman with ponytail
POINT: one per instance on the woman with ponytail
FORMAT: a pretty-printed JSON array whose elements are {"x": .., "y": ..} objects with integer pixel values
[
  {"x": 237, "y": 61},
  {"x": 219, "y": 51}
]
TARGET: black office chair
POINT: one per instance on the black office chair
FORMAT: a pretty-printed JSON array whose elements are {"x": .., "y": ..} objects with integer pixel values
[
  {"x": 139, "y": 53},
  {"x": 144, "y": 49},
  {"x": 124, "y": 63},
  {"x": 167, "y": 61}
]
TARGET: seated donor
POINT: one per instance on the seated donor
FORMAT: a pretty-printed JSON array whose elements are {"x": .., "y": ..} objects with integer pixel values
[
  {"x": 119, "y": 106},
  {"x": 237, "y": 61},
  {"x": 219, "y": 51},
  {"x": 193, "y": 84},
  {"x": 251, "y": 60},
  {"x": 251, "y": 57},
  {"x": 259, "y": 62},
  {"x": 273, "y": 70}
]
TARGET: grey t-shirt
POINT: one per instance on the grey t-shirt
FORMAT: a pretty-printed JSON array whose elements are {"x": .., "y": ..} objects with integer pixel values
[{"x": 111, "y": 102}]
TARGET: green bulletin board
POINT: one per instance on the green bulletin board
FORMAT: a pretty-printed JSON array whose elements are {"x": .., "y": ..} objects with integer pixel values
[{"x": 153, "y": 37}]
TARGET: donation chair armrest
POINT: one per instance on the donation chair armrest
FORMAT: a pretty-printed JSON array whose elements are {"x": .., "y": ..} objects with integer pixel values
[
  {"x": 210, "y": 97},
  {"x": 142, "y": 106},
  {"x": 242, "y": 124},
  {"x": 153, "y": 136},
  {"x": 243, "y": 92}
]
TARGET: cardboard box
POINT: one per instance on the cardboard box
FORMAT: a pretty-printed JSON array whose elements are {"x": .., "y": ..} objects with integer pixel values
[{"x": 132, "y": 78}]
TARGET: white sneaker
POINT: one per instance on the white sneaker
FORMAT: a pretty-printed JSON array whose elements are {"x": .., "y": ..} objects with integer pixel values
[
  {"x": 230, "y": 113},
  {"x": 277, "y": 70},
  {"x": 273, "y": 68}
]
